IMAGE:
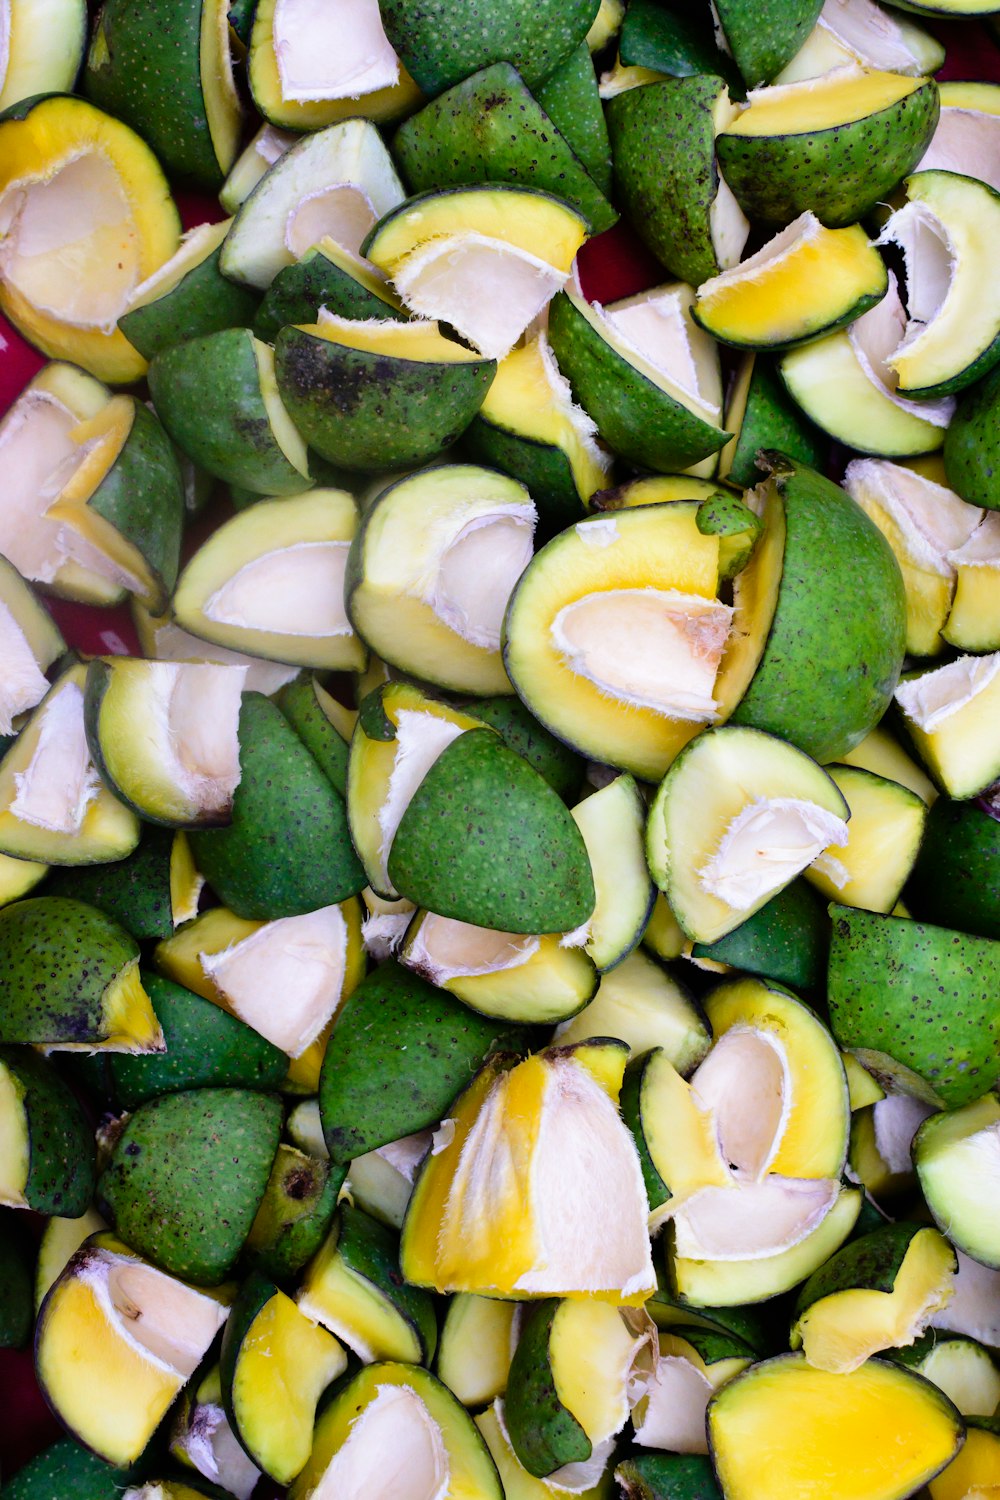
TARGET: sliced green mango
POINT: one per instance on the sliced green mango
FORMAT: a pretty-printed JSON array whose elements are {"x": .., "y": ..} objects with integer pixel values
[
  {"x": 834, "y": 145},
  {"x": 762, "y": 42},
  {"x": 475, "y": 1347},
  {"x": 294, "y": 1214},
  {"x": 92, "y": 998},
  {"x": 218, "y": 399},
  {"x": 275, "y": 1366},
  {"x": 378, "y": 395},
  {"x": 571, "y": 99},
  {"x": 31, "y": 644},
  {"x": 395, "y": 1023},
  {"x": 760, "y": 415},
  {"x": 202, "y": 1439},
  {"x": 840, "y": 1422},
  {"x": 490, "y": 128},
  {"x": 67, "y": 1470},
  {"x": 965, "y": 1370},
  {"x": 518, "y": 1484},
  {"x": 667, "y": 1476},
  {"x": 188, "y": 296},
  {"x": 693, "y": 1362},
  {"x": 956, "y": 879},
  {"x": 171, "y": 1183},
  {"x": 948, "y": 713},
  {"x": 957, "y": 1157},
  {"x": 61, "y": 1238},
  {"x": 527, "y": 869},
  {"x": 261, "y": 152},
  {"x": 521, "y": 731},
  {"x": 645, "y": 1005},
  {"x": 44, "y": 50},
  {"x": 205, "y": 1048},
  {"x": 48, "y": 1159},
  {"x": 354, "y": 1288},
  {"x": 787, "y": 940},
  {"x": 323, "y": 725},
  {"x": 287, "y": 850},
  {"x": 166, "y": 71},
  {"x": 612, "y": 821},
  {"x": 919, "y": 996},
  {"x": 887, "y": 824},
  {"x": 970, "y": 447},
  {"x": 326, "y": 276}
]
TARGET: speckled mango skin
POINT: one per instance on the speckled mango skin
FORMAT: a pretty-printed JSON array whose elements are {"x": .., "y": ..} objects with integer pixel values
[
  {"x": 399, "y": 1053},
  {"x": 570, "y": 98},
  {"x": 186, "y": 1176},
  {"x": 203, "y": 302},
  {"x": 544, "y": 1434},
  {"x": 369, "y": 412},
  {"x": 972, "y": 445},
  {"x": 69, "y": 1471},
  {"x": 667, "y": 1476},
  {"x": 60, "y": 1142},
  {"x": 926, "y": 996},
  {"x": 956, "y": 879},
  {"x": 663, "y": 148},
  {"x": 839, "y": 173},
  {"x": 486, "y": 840},
  {"x": 441, "y": 45},
  {"x": 764, "y": 35},
  {"x": 287, "y": 850},
  {"x": 371, "y": 1250},
  {"x": 835, "y": 649},
  {"x": 295, "y": 1213},
  {"x": 772, "y": 420},
  {"x": 490, "y": 128},
  {"x": 298, "y": 292},
  {"x": 787, "y": 940},
  {"x": 134, "y": 891},
  {"x": 872, "y": 1262},
  {"x": 146, "y": 71},
  {"x": 57, "y": 958}
]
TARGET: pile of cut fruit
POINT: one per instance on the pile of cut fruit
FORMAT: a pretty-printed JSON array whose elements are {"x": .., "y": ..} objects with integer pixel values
[{"x": 500, "y": 1000}]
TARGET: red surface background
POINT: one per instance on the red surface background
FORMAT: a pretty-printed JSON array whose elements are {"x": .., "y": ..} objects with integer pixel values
[{"x": 613, "y": 265}]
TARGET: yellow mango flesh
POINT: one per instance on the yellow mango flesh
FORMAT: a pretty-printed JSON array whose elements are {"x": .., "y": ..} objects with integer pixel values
[{"x": 822, "y": 103}]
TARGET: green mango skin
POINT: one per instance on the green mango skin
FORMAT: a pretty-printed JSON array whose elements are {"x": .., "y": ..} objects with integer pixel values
[
  {"x": 303, "y": 710},
  {"x": 186, "y": 1176},
  {"x": 202, "y": 302},
  {"x": 134, "y": 891},
  {"x": 956, "y": 879},
  {"x": 835, "y": 650},
  {"x": 61, "y": 1150},
  {"x": 788, "y": 940},
  {"x": 65, "y": 1471},
  {"x": 972, "y": 445},
  {"x": 871, "y": 1262},
  {"x": 490, "y": 128},
  {"x": 441, "y": 46},
  {"x": 754, "y": 1327},
  {"x": 399, "y": 1054},
  {"x": 150, "y": 77},
  {"x": 667, "y": 1476},
  {"x": 295, "y": 1212},
  {"x": 542, "y": 468},
  {"x": 636, "y": 419},
  {"x": 543, "y": 1433},
  {"x": 371, "y": 1250},
  {"x": 368, "y": 412},
  {"x": 926, "y": 996},
  {"x": 679, "y": 44},
  {"x": 521, "y": 732},
  {"x": 630, "y": 1104},
  {"x": 58, "y": 957},
  {"x": 206, "y": 1048},
  {"x": 486, "y": 840},
  {"x": 764, "y": 35},
  {"x": 288, "y": 850},
  {"x": 298, "y": 292},
  {"x": 773, "y": 421},
  {"x": 240, "y": 16},
  {"x": 572, "y": 101},
  {"x": 663, "y": 147},
  {"x": 142, "y": 496},
  {"x": 840, "y": 173},
  {"x": 17, "y": 1280},
  {"x": 207, "y": 395}
]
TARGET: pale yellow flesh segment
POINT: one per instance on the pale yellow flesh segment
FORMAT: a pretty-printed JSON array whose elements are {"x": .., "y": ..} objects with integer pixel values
[{"x": 821, "y": 104}]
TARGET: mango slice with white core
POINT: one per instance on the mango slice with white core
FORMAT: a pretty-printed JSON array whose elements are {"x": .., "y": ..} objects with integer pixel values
[
  {"x": 203, "y": 1440},
  {"x": 942, "y": 232},
  {"x": 117, "y": 1339},
  {"x": 840, "y": 1425},
  {"x": 751, "y": 1221},
  {"x": 840, "y": 1331},
  {"x": 298, "y": 962},
  {"x": 380, "y": 1182},
  {"x": 336, "y": 183},
  {"x": 657, "y": 327},
  {"x": 964, "y": 1369},
  {"x": 162, "y": 639},
  {"x": 957, "y": 1157},
  {"x": 534, "y": 1188},
  {"x": 184, "y": 766},
  {"x": 310, "y": 575},
  {"x": 671, "y": 1412},
  {"x": 261, "y": 153},
  {"x": 384, "y": 928},
  {"x": 596, "y": 1355},
  {"x": 924, "y": 523},
  {"x": 531, "y": 397},
  {"x": 861, "y": 33},
  {"x": 967, "y": 137},
  {"x": 313, "y": 41},
  {"x": 24, "y": 684},
  {"x": 974, "y": 621},
  {"x": 803, "y": 282},
  {"x": 786, "y": 832},
  {"x": 41, "y": 47},
  {"x": 950, "y": 712}
]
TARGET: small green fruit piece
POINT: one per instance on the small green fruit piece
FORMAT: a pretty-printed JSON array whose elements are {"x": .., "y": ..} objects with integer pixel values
[
  {"x": 922, "y": 997},
  {"x": 134, "y": 891},
  {"x": 668, "y": 1476},
  {"x": 294, "y": 1214},
  {"x": 737, "y": 528},
  {"x": 188, "y": 297},
  {"x": 205, "y": 1048},
  {"x": 571, "y": 99},
  {"x": 91, "y": 996},
  {"x": 787, "y": 940},
  {"x": 399, "y": 1053},
  {"x": 474, "y": 1352},
  {"x": 48, "y": 1146},
  {"x": 612, "y": 821},
  {"x": 641, "y": 1001},
  {"x": 218, "y": 400},
  {"x": 543, "y": 1432},
  {"x": 490, "y": 128},
  {"x": 972, "y": 445},
  {"x": 322, "y": 724},
  {"x": 326, "y": 276},
  {"x": 521, "y": 732},
  {"x": 764, "y": 38},
  {"x": 67, "y": 1470},
  {"x": 186, "y": 1177},
  {"x": 676, "y": 43},
  {"x": 486, "y": 840},
  {"x": 287, "y": 850},
  {"x": 956, "y": 879},
  {"x": 957, "y": 1157},
  {"x": 761, "y": 417}
]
